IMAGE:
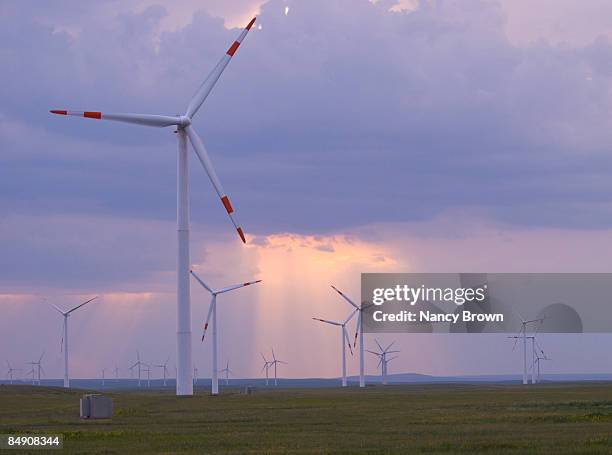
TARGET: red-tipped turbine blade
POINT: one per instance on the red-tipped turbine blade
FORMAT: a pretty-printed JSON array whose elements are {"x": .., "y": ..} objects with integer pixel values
[
  {"x": 202, "y": 154},
  {"x": 210, "y": 81}
]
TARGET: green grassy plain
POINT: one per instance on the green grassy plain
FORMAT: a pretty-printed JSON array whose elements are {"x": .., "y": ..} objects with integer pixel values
[{"x": 424, "y": 419}]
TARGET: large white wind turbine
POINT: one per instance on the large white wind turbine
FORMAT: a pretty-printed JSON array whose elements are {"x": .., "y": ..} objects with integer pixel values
[
  {"x": 359, "y": 332},
  {"x": 184, "y": 384},
  {"x": 65, "y": 315},
  {"x": 383, "y": 361},
  {"x": 212, "y": 312},
  {"x": 344, "y": 340}
]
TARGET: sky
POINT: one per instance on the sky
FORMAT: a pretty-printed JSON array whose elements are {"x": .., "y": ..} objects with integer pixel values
[{"x": 352, "y": 136}]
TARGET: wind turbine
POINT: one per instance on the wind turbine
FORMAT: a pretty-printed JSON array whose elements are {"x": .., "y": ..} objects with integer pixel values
[
  {"x": 359, "y": 331},
  {"x": 103, "y": 376},
  {"x": 274, "y": 363},
  {"x": 164, "y": 366},
  {"x": 138, "y": 365},
  {"x": 212, "y": 311},
  {"x": 64, "y": 344},
  {"x": 539, "y": 357},
  {"x": 33, "y": 373},
  {"x": 116, "y": 372},
  {"x": 9, "y": 372},
  {"x": 227, "y": 372},
  {"x": 38, "y": 366},
  {"x": 344, "y": 340},
  {"x": 383, "y": 360},
  {"x": 185, "y": 131},
  {"x": 523, "y": 331},
  {"x": 148, "y": 371},
  {"x": 533, "y": 355},
  {"x": 266, "y": 366}
]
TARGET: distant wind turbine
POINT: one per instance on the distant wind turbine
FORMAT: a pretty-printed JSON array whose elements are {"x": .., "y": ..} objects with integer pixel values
[
  {"x": 359, "y": 331},
  {"x": 344, "y": 340},
  {"x": 164, "y": 366},
  {"x": 383, "y": 361},
  {"x": 138, "y": 365},
  {"x": 148, "y": 371},
  {"x": 274, "y": 363},
  {"x": 539, "y": 356},
  {"x": 266, "y": 366},
  {"x": 227, "y": 372},
  {"x": 64, "y": 344},
  {"x": 38, "y": 366},
  {"x": 9, "y": 372},
  {"x": 185, "y": 131},
  {"x": 212, "y": 312}
]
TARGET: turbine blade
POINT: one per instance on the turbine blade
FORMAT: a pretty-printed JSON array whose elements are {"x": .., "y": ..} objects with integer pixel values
[
  {"x": 210, "y": 309},
  {"x": 238, "y": 286},
  {"x": 327, "y": 322},
  {"x": 350, "y": 316},
  {"x": 344, "y": 297},
  {"x": 379, "y": 346},
  {"x": 357, "y": 329},
  {"x": 138, "y": 119},
  {"x": 199, "y": 280},
  {"x": 348, "y": 341},
  {"x": 58, "y": 309},
  {"x": 79, "y": 306},
  {"x": 198, "y": 146},
  {"x": 389, "y": 347},
  {"x": 210, "y": 81}
]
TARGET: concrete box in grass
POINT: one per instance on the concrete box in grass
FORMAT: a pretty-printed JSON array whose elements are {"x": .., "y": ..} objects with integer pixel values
[{"x": 96, "y": 407}]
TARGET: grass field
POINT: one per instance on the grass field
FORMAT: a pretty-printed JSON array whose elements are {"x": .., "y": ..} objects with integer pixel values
[{"x": 430, "y": 419}]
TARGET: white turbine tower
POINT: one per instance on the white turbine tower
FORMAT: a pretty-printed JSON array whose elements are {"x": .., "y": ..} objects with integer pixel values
[
  {"x": 9, "y": 372},
  {"x": 164, "y": 367},
  {"x": 274, "y": 363},
  {"x": 227, "y": 372},
  {"x": 64, "y": 345},
  {"x": 103, "y": 376},
  {"x": 184, "y": 384},
  {"x": 266, "y": 367},
  {"x": 38, "y": 369},
  {"x": 533, "y": 355},
  {"x": 195, "y": 375},
  {"x": 359, "y": 332},
  {"x": 344, "y": 340},
  {"x": 212, "y": 312},
  {"x": 383, "y": 361}
]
